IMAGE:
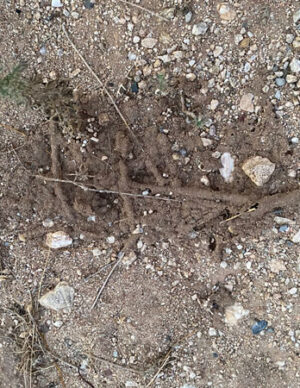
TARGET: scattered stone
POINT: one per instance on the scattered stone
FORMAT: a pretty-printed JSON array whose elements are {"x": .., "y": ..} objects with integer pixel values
[
  {"x": 293, "y": 291},
  {"x": 43, "y": 50},
  {"x": 206, "y": 142},
  {"x": 296, "y": 237},
  {"x": 226, "y": 12},
  {"x": 246, "y": 103},
  {"x": 110, "y": 239},
  {"x": 258, "y": 169},
  {"x": 199, "y": 29},
  {"x": 58, "y": 240},
  {"x": 96, "y": 252},
  {"x": 214, "y": 104},
  {"x": 259, "y": 326},
  {"x": 188, "y": 17},
  {"x": 228, "y": 167},
  {"x": 190, "y": 77},
  {"x": 296, "y": 42},
  {"x": 131, "y": 384},
  {"x": 75, "y": 15},
  {"x": 291, "y": 79},
  {"x": 58, "y": 324},
  {"x": 283, "y": 228},
  {"x": 295, "y": 65},
  {"x": 61, "y": 298},
  {"x": 204, "y": 179},
  {"x": 244, "y": 43},
  {"x": 277, "y": 265},
  {"x": 136, "y": 39},
  {"x": 218, "y": 51},
  {"x": 56, "y": 3},
  {"x": 149, "y": 43},
  {"x": 289, "y": 38},
  {"x": 283, "y": 221},
  {"x": 235, "y": 313},
  {"x": 88, "y": 4},
  {"x": 129, "y": 259},
  {"x": 48, "y": 223},
  {"x": 296, "y": 16},
  {"x": 280, "y": 82},
  {"x": 212, "y": 332}
]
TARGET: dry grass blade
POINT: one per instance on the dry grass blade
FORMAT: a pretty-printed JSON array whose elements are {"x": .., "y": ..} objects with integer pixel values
[
  {"x": 105, "y": 282},
  {"x": 144, "y": 9},
  {"x": 104, "y": 191},
  {"x": 102, "y": 86},
  {"x": 166, "y": 359}
]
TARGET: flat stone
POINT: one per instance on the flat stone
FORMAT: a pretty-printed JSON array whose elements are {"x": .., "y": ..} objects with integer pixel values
[
  {"x": 258, "y": 169},
  {"x": 149, "y": 42},
  {"x": 291, "y": 78},
  {"x": 277, "y": 265},
  {"x": 56, "y": 3},
  {"x": 246, "y": 103},
  {"x": 199, "y": 29},
  {"x": 296, "y": 237},
  {"x": 61, "y": 298},
  {"x": 295, "y": 65},
  {"x": 234, "y": 313},
  {"x": 226, "y": 12},
  {"x": 58, "y": 240},
  {"x": 228, "y": 167},
  {"x": 296, "y": 16},
  {"x": 283, "y": 221}
]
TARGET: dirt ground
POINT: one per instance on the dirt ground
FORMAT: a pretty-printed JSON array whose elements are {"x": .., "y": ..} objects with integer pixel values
[{"x": 134, "y": 179}]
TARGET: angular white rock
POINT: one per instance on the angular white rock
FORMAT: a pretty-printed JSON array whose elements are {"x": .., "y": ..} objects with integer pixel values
[
  {"x": 277, "y": 265},
  {"x": 226, "y": 12},
  {"x": 296, "y": 16},
  {"x": 149, "y": 42},
  {"x": 56, "y": 3},
  {"x": 234, "y": 313},
  {"x": 296, "y": 237},
  {"x": 228, "y": 166},
  {"x": 58, "y": 240},
  {"x": 258, "y": 169},
  {"x": 246, "y": 103},
  {"x": 295, "y": 65},
  {"x": 61, "y": 298},
  {"x": 199, "y": 29}
]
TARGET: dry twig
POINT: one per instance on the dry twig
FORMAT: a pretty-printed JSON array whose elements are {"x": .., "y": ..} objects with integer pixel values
[
  {"x": 145, "y": 10},
  {"x": 105, "y": 282},
  {"x": 102, "y": 86}
]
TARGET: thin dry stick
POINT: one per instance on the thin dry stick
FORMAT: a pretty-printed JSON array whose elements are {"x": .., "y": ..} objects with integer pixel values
[
  {"x": 10, "y": 128},
  {"x": 160, "y": 368},
  {"x": 102, "y": 86},
  {"x": 103, "y": 191},
  {"x": 145, "y": 10},
  {"x": 105, "y": 282}
]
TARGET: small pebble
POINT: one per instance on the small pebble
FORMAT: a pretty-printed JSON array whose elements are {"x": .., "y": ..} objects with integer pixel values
[
  {"x": 199, "y": 29},
  {"x": 110, "y": 239},
  {"x": 212, "y": 332},
  {"x": 149, "y": 42},
  {"x": 88, "y": 4},
  {"x": 188, "y": 17},
  {"x": 280, "y": 82},
  {"x": 58, "y": 240},
  {"x": 259, "y": 326},
  {"x": 293, "y": 291},
  {"x": 296, "y": 238},
  {"x": 283, "y": 228},
  {"x": 56, "y": 3}
]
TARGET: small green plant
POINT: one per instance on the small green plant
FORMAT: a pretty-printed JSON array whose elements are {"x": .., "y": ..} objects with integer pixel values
[
  {"x": 13, "y": 85},
  {"x": 55, "y": 98}
]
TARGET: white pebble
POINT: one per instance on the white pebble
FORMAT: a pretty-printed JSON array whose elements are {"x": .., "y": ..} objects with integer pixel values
[{"x": 111, "y": 239}]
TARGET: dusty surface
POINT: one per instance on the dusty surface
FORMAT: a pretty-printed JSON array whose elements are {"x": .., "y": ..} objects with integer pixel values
[{"x": 189, "y": 244}]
